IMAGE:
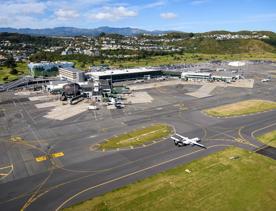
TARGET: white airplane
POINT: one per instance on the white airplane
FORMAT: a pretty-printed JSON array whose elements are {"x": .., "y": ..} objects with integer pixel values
[
  {"x": 266, "y": 80},
  {"x": 183, "y": 141}
]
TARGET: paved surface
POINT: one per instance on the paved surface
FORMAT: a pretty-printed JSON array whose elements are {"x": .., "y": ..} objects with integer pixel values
[
  {"x": 204, "y": 91},
  {"x": 49, "y": 164},
  {"x": 268, "y": 151}
]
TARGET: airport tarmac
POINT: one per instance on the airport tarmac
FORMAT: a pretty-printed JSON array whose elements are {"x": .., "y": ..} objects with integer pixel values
[{"x": 48, "y": 164}]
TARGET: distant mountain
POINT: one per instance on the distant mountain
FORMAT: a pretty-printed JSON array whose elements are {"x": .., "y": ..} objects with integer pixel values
[{"x": 71, "y": 31}]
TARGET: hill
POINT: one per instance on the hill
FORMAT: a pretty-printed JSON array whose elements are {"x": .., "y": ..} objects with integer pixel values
[
  {"x": 72, "y": 31},
  {"x": 236, "y": 46},
  {"x": 38, "y": 41}
]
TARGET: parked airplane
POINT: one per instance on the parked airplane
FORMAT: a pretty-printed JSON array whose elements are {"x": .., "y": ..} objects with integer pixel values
[
  {"x": 180, "y": 141},
  {"x": 266, "y": 80}
]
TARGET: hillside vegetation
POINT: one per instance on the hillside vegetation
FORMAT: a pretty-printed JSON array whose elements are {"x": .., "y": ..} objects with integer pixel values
[{"x": 238, "y": 46}]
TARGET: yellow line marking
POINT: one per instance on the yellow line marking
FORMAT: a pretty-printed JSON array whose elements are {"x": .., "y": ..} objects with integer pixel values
[
  {"x": 57, "y": 154},
  {"x": 221, "y": 133},
  {"x": 244, "y": 140},
  {"x": 130, "y": 174},
  {"x": 4, "y": 175},
  {"x": 34, "y": 196},
  {"x": 257, "y": 130},
  {"x": 16, "y": 138},
  {"x": 41, "y": 158}
]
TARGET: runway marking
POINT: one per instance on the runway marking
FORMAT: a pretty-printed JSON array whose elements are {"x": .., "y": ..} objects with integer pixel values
[
  {"x": 244, "y": 140},
  {"x": 95, "y": 115},
  {"x": 57, "y": 154},
  {"x": 35, "y": 194},
  {"x": 222, "y": 133},
  {"x": 103, "y": 129},
  {"x": 257, "y": 130},
  {"x": 133, "y": 173},
  {"x": 16, "y": 138},
  {"x": 49, "y": 156},
  {"x": 181, "y": 107},
  {"x": 41, "y": 158},
  {"x": 3, "y": 173}
]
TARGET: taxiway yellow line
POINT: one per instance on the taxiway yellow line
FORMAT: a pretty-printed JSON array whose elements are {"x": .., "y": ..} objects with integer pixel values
[
  {"x": 241, "y": 136},
  {"x": 257, "y": 130},
  {"x": 4, "y": 175}
]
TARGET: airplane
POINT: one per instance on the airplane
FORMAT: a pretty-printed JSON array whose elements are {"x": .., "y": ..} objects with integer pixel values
[
  {"x": 184, "y": 141},
  {"x": 266, "y": 80}
]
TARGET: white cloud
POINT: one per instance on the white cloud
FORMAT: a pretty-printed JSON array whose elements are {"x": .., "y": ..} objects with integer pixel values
[
  {"x": 21, "y": 13},
  {"x": 113, "y": 13},
  {"x": 22, "y": 7},
  {"x": 66, "y": 14},
  {"x": 168, "y": 15},
  {"x": 198, "y": 2},
  {"x": 153, "y": 5}
]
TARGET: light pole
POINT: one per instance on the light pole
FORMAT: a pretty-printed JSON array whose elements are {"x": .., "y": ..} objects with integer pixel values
[{"x": 111, "y": 80}]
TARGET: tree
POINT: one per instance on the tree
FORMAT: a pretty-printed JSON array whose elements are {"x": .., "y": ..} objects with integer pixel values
[
  {"x": 83, "y": 64},
  {"x": 13, "y": 71},
  {"x": 102, "y": 34},
  {"x": 10, "y": 62}
]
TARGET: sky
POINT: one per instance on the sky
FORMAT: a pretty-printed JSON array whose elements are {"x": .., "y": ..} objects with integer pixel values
[{"x": 180, "y": 15}]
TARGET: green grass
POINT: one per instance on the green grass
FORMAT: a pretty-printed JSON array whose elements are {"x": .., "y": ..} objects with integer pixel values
[
  {"x": 5, "y": 75},
  {"x": 268, "y": 138},
  {"x": 138, "y": 137},
  {"x": 241, "y": 108},
  {"x": 216, "y": 182}
]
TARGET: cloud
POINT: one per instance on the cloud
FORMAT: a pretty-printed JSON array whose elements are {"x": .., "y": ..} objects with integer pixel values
[
  {"x": 66, "y": 14},
  {"x": 168, "y": 15},
  {"x": 22, "y": 7},
  {"x": 113, "y": 13},
  {"x": 153, "y": 5},
  {"x": 198, "y": 2},
  {"x": 21, "y": 13}
]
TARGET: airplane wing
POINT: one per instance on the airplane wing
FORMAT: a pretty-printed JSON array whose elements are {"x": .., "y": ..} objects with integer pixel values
[
  {"x": 175, "y": 139},
  {"x": 182, "y": 137},
  {"x": 193, "y": 142}
]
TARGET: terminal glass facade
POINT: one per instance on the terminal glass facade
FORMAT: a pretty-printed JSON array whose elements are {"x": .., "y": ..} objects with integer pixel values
[{"x": 131, "y": 76}]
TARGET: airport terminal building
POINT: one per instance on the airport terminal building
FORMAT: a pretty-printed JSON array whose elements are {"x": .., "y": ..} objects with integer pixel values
[
  {"x": 206, "y": 76},
  {"x": 196, "y": 76},
  {"x": 126, "y": 74},
  {"x": 71, "y": 74}
]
